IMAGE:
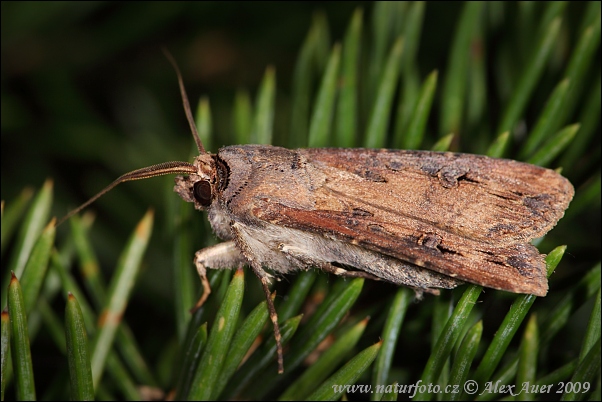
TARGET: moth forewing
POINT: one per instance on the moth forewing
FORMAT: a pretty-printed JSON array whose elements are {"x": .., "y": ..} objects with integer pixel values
[{"x": 464, "y": 216}]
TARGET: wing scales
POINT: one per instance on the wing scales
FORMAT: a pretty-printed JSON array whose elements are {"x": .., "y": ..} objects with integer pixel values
[{"x": 465, "y": 216}]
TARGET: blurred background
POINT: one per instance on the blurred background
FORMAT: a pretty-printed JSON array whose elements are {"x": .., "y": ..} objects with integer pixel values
[
  {"x": 87, "y": 95},
  {"x": 86, "y": 84}
]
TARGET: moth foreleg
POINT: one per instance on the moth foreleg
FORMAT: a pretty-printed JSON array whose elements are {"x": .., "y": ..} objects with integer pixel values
[
  {"x": 227, "y": 255},
  {"x": 221, "y": 256}
]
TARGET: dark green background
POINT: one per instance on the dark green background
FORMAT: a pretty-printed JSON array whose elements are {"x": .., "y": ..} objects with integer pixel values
[{"x": 87, "y": 95}]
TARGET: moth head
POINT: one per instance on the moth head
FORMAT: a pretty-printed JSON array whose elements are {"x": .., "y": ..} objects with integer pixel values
[{"x": 199, "y": 187}]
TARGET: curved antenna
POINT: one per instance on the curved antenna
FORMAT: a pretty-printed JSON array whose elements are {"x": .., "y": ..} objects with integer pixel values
[
  {"x": 138, "y": 174},
  {"x": 187, "y": 110}
]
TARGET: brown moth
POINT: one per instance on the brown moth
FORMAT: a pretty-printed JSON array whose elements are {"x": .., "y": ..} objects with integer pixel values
[{"x": 427, "y": 220}]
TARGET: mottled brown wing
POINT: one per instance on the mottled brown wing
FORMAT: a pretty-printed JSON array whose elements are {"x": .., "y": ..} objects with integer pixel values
[{"x": 466, "y": 216}]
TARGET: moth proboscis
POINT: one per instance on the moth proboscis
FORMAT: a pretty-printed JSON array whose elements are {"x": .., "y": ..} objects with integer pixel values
[{"x": 427, "y": 220}]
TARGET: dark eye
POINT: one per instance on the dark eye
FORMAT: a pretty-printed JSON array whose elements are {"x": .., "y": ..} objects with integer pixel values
[{"x": 202, "y": 192}]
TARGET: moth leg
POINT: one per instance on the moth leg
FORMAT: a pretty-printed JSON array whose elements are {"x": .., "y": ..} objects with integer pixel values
[
  {"x": 328, "y": 267},
  {"x": 265, "y": 281},
  {"x": 239, "y": 237},
  {"x": 221, "y": 256},
  {"x": 298, "y": 254}
]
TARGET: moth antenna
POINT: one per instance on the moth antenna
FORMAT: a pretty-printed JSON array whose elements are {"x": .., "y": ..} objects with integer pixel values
[
  {"x": 144, "y": 173},
  {"x": 195, "y": 133}
]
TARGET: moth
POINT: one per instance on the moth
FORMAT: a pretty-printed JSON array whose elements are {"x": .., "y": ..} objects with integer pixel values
[{"x": 427, "y": 220}]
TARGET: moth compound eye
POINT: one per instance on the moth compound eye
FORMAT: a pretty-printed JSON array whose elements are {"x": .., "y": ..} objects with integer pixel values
[{"x": 202, "y": 192}]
